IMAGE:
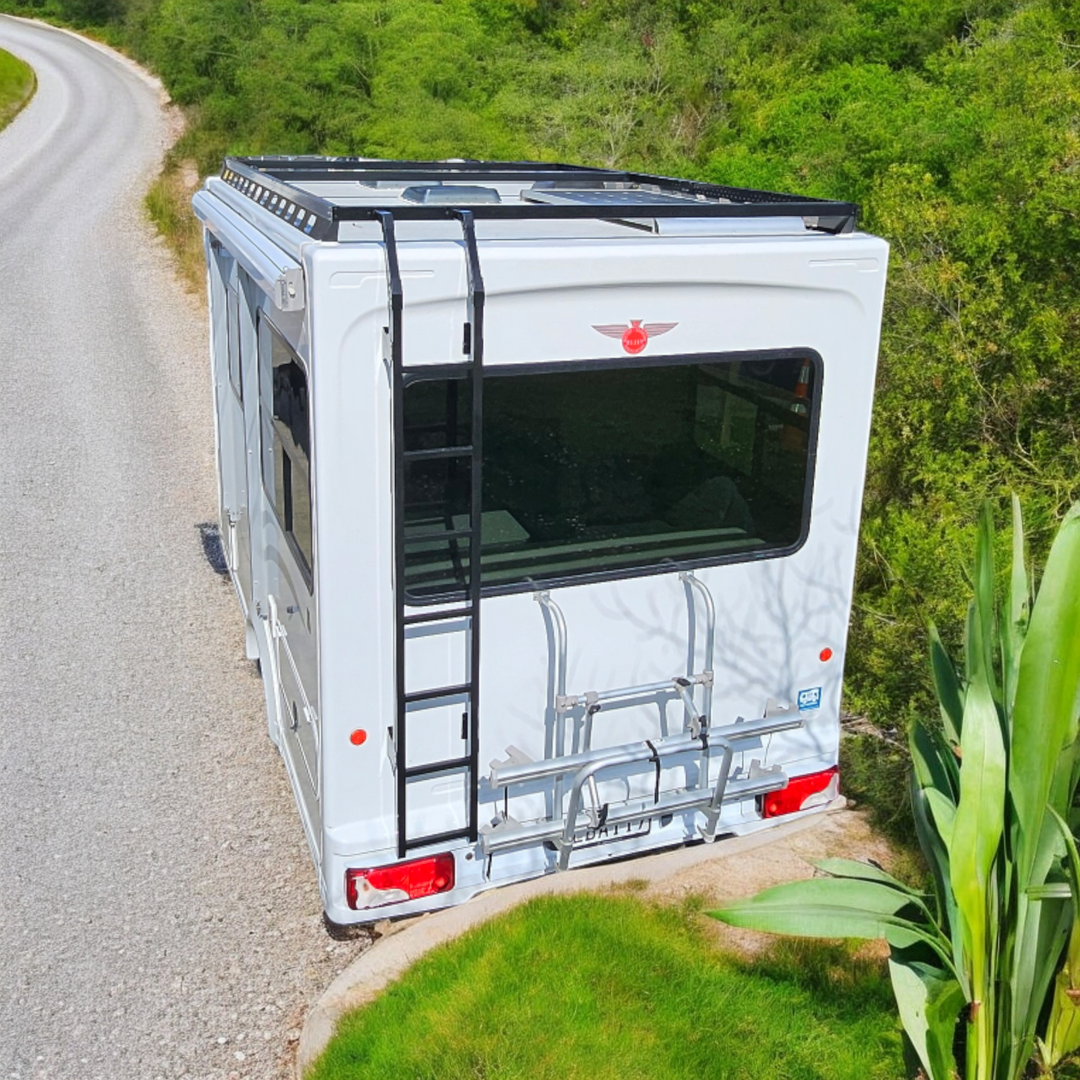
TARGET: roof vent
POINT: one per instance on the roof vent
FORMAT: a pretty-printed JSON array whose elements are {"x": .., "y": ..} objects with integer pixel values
[{"x": 450, "y": 194}]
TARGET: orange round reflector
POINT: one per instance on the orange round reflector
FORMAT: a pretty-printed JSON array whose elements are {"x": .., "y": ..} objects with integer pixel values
[
  {"x": 358, "y": 737},
  {"x": 825, "y": 655}
]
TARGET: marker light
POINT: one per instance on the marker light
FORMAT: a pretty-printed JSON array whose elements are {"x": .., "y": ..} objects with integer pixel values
[
  {"x": 399, "y": 881},
  {"x": 801, "y": 793},
  {"x": 358, "y": 737},
  {"x": 825, "y": 655}
]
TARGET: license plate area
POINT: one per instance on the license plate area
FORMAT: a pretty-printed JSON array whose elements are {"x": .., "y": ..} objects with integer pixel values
[{"x": 610, "y": 834}]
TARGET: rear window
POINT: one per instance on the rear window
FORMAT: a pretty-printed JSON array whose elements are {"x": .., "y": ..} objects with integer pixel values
[{"x": 611, "y": 470}]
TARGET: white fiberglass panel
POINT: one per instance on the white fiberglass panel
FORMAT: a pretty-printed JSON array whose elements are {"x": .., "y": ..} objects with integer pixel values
[{"x": 774, "y": 617}]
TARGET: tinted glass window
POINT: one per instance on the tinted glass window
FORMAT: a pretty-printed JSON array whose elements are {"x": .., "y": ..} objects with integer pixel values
[
  {"x": 618, "y": 469},
  {"x": 286, "y": 439}
]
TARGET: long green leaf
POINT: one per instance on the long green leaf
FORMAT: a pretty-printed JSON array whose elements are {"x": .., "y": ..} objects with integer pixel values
[
  {"x": 1066, "y": 775},
  {"x": 873, "y": 897},
  {"x": 1044, "y": 720},
  {"x": 864, "y": 871},
  {"x": 973, "y": 849},
  {"x": 819, "y": 907},
  {"x": 944, "y": 812},
  {"x": 937, "y": 856},
  {"x": 1042, "y": 931},
  {"x": 934, "y": 760},
  {"x": 797, "y": 919},
  {"x": 805, "y": 920},
  {"x": 984, "y": 623},
  {"x": 980, "y": 814},
  {"x": 1015, "y": 620},
  {"x": 929, "y": 1000},
  {"x": 947, "y": 684},
  {"x": 1033, "y": 939},
  {"x": 1063, "y": 1027},
  {"x": 835, "y": 908},
  {"x": 1044, "y": 729},
  {"x": 1038, "y": 930},
  {"x": 972, "y": 644}
]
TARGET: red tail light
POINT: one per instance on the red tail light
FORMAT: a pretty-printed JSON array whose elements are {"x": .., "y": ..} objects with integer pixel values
[
  {"x": 802, "y": 792},
  {"x": 399, "y": 881}
]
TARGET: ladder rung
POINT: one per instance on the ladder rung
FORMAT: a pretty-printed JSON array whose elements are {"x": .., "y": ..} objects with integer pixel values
[
  {"x": 439, "y": 616},
  {"x": 427, "y": 537},
  {"x": 438, "y": 838},
  {"x": 428, "y": 371},
  {"x": 438, "y": 692},
  {"x": 433, "y": 768},
  {"x": 438, "y": 452}
]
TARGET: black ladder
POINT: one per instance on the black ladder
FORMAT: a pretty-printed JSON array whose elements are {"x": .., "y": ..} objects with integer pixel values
[{"x": 468, "y": 762}]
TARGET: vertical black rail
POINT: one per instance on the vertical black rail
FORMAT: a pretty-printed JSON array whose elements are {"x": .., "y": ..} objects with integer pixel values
[
  {"x": 475, "y": 311},
  {"x": 393, "y": 273},
  {"x": 472, "y": 606}
]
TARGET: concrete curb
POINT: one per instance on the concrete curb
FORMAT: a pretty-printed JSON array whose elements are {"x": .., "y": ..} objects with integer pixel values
[{"x": 391, "y": 955}]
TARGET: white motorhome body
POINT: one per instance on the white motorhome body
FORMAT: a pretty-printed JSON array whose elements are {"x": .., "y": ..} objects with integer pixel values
[{"x": 540, "y": 490}]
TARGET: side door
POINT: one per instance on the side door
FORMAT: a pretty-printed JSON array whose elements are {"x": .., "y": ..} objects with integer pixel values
[
  {"x": 228, "y": 405},
  {"x": 285, "y": 430},
  {"x": 235, "y": 517}
]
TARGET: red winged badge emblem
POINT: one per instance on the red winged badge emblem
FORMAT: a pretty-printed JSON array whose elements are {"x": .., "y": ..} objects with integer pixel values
[{"x": 636, "y": 336}]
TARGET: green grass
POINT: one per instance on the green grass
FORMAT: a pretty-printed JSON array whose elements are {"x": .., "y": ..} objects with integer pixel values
[
  {"x": 17, "y": 85},
  {"x": 613, "y": 988},
  {"x": 168, "y": 204}
]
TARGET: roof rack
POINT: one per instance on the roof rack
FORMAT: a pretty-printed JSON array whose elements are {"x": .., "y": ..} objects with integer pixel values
[{"x": 554, "y": 191}]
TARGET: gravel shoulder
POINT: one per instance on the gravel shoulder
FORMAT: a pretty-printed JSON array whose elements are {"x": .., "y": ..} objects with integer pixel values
[{"x": 160, "y": 914}]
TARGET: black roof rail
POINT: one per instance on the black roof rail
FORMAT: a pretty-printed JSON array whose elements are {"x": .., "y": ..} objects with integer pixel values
[{"x": 561, "y": 192}]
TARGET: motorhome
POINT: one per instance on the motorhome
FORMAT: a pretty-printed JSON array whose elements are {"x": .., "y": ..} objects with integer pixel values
[{"x": 540, "y": 490}]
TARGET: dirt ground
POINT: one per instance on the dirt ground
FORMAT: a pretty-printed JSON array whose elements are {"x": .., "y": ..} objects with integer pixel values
[{"x": 845, "y": 834}]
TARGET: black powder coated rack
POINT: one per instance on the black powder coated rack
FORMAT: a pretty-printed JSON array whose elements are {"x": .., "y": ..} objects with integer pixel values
[{"x": 273, "y": 182}]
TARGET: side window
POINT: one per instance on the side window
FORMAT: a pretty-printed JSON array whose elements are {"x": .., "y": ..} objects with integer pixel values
[
  {"x": 286, "y": 433},
  {"x": 233, "y": 314}
]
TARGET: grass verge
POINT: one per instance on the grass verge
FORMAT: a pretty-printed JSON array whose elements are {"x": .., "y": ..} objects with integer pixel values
[
  {"x": 615, "y": 988},
  {"x": 17, "y": 86},
  {"x": 168, "y": 202}
]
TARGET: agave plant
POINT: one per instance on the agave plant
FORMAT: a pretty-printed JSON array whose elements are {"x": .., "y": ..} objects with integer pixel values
[{"x": 995, "y": 945}]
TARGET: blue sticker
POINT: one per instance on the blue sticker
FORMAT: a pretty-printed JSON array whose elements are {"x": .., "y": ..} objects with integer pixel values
[{"x": 810, "y": 699}]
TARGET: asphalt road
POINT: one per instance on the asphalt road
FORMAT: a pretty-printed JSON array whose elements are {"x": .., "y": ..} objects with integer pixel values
[{"x": 158, "y": 909}]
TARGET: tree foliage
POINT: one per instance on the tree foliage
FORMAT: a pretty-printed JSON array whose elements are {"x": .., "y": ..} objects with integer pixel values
[{"x": 955, "y": 125}]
